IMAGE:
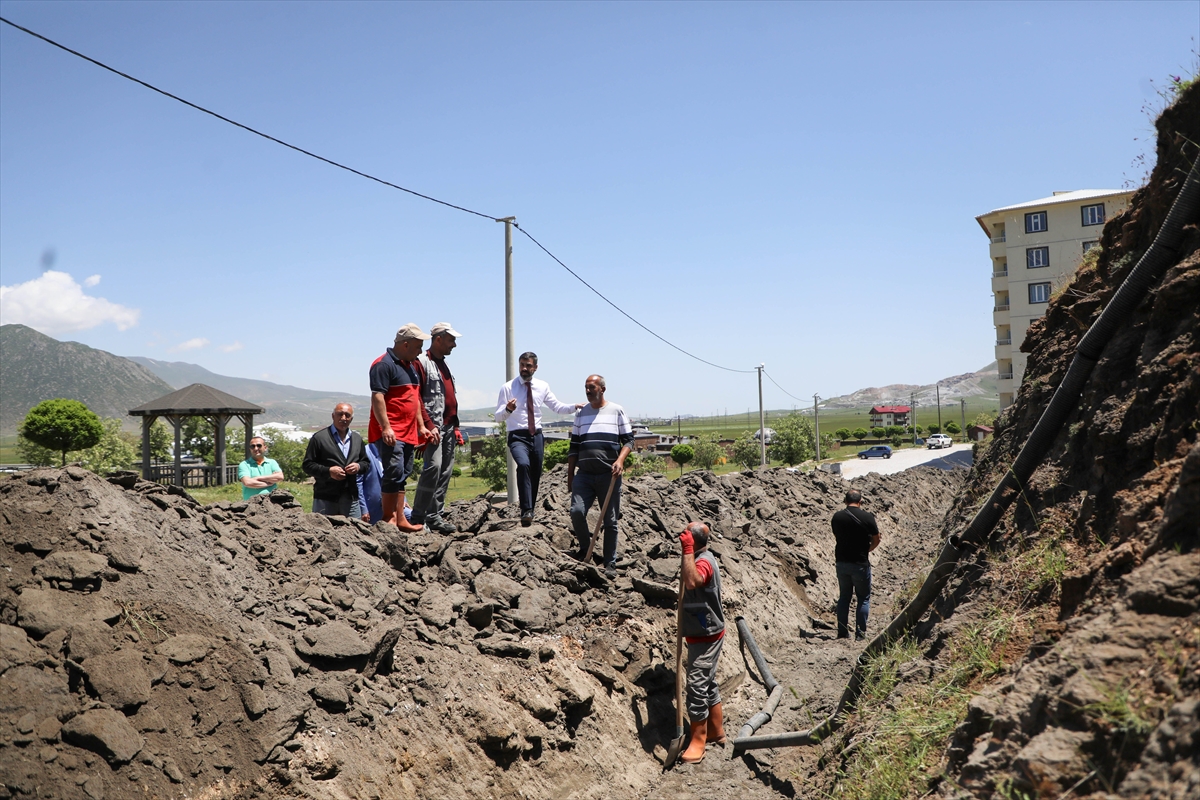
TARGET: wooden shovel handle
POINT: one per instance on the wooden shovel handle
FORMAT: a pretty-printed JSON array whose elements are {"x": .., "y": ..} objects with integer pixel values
[{"x": 679, "y": 661}]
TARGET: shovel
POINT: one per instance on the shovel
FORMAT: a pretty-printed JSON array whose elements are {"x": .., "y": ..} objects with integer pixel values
[
  {"x": 612, "y": 482},
  {"x": 676, "y": 746}
]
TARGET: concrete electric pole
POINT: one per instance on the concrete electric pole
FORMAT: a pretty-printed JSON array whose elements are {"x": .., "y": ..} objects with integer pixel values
[
  {"x": 817, "y": 426},
  {"x": 762, "y": 422},
  {"x": 939, "y": 402},
  {"x": 510, "y": 342}
]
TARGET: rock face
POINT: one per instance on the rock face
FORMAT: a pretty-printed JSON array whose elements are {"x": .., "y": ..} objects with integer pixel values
[{"x": 247, "y": 634}]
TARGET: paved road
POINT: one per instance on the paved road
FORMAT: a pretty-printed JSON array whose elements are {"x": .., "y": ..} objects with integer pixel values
[{"x": 958, "y": 455}]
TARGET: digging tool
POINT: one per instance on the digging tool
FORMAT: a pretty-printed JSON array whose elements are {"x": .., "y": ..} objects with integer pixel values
[
  {"x": 612, "y": 482},
  {"x": 676, "y": 746}
]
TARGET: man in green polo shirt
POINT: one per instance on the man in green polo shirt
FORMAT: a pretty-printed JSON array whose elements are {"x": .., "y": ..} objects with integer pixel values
[{"x": 258, "y": 473}]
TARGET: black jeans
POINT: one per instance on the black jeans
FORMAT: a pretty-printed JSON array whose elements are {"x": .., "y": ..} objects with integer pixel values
[{"x": 527, "y": 450}]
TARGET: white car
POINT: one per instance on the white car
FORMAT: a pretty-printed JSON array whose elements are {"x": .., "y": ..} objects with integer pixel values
[{"x": 938, "y": 440}]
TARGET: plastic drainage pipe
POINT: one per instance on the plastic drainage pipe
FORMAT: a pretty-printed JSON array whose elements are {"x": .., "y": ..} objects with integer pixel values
[
  {"x": 773, "y": 688},
  {"x": 1150, "y": 267}
]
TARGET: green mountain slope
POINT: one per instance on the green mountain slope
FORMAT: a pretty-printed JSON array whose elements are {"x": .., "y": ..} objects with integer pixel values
[{"x": 35, "y": 367}]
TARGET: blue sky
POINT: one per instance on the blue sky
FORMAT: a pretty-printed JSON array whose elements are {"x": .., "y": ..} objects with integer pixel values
[{"x": 794, "y": 184}]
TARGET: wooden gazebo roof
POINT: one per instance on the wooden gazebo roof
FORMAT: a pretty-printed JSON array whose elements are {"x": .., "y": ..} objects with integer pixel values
[{"x": 196, "y": 400}]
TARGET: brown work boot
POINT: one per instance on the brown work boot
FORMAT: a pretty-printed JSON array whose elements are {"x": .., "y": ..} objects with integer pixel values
[
  {"x": 716, "y": 725},
  {"x": 695, "y": 749}
]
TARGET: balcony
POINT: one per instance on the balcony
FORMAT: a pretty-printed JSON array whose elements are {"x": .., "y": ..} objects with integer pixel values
[
  {"x": 1000, "y": 273},
  {"x": 1001, "y": 306},
  {"x": 1007, "y": 341},
  {"x": 1006, "y": 376},
  {"x": 997, "y": 239}
]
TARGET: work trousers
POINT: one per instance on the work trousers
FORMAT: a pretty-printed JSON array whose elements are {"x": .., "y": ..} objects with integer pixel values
[
  {"x": 585, "y": 489},
  {"x": 346, "y": 506},
  {"x": 438, "y": 468},
  {"x": 397, "y": 464},
  {"x": 527, "y": 450},
  {"x": 853, "y": 579},
  {"x": 702, "y": 690}
]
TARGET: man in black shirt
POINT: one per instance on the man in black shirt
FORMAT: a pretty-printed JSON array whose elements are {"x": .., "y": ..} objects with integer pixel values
[{"x": 857, "y": 535}]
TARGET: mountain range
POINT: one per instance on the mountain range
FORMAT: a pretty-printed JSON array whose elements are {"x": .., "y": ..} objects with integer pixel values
[{"x": 36, "y": 367}]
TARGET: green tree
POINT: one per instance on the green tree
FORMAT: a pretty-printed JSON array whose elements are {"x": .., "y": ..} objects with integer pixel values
[
  {"x": 860, "y": 433},
  {"x": 842, "y": 433},
  {"x": 162, "y": 441},
  {"x": 636, "y": 466},
  {"x": 115, "y": 450},
  {"x": 934, "y": 428},
  {"x": 682, "y": 454},
  {"x": 794, "y": 440},
  {"x": 556, "y": 453},
  {"x": 985, "y": 418},
  {"x": 894, "y": 430},
  {"x": 879, "y": 433},
  {"x": 896, "y": 441},
  {"x": 920, "y": 429},
  {"x": 491, "y": 464},
  {"x": 706, "y": 452},
  {"x": 35, "y": 454},
  {"x": 746, "y": 452},
  {"x": 828, "y": 442},
  {"x": 62, "y": 425},
  {"x": 952, "y": 428}
]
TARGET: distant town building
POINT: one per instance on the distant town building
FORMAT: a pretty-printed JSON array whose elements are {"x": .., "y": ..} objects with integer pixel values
[
  {"x": 1035, "y": 248},
  {"x": 885, "y": 416}
]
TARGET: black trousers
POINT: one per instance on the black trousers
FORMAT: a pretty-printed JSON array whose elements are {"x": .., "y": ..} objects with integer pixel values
[{"x": 527, "y": 450}]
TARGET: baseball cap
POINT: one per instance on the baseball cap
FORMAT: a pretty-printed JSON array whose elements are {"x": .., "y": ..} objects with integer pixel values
[
  {"x": 411, "y": 331},
  {"x": 444, "y": 327}
]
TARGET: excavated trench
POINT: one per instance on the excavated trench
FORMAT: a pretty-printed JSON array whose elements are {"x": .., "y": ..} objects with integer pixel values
[{"x": 154, "y": 647}]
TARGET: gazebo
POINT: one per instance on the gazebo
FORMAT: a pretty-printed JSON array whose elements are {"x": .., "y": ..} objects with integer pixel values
[{"x": 196, "y": 400}]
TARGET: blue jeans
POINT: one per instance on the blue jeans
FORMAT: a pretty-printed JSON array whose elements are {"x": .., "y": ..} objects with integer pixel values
[
  {"x": 856, "y": 579},
  {"x": 527, "y": 450},
  {"x": 397, "y": 464},
  {"x": 586, "y": 488}
]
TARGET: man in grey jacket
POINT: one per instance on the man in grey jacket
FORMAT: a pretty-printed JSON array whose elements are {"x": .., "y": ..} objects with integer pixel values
[{"x": 440, "y": 407}]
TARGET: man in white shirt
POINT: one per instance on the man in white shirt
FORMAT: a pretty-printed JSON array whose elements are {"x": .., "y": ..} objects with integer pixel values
[{"x": 520, "y": 402}]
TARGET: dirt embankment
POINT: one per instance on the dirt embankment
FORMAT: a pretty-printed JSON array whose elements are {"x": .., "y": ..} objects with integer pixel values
[
  {"x": 1093, "y": 576},
  {"x": 151, "y": 647}
]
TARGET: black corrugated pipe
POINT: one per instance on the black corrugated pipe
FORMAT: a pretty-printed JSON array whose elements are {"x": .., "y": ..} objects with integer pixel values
[
  {"x": 1150, "y": 267},
  {"x": 774, "y": 690}
]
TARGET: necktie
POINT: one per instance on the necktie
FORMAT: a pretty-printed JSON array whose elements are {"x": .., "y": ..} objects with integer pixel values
[{"x": 529, "y": 406}]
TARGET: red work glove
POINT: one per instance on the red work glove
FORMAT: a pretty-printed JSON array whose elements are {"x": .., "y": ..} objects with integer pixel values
[
  {"x": 685, "y": 540},
  {"x": 458, "y": 437}
]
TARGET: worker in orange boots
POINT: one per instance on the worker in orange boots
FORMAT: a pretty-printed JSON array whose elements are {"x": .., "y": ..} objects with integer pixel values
[
  {"x": 703, "y": 628},
  {"x": 397, "y": 426}
]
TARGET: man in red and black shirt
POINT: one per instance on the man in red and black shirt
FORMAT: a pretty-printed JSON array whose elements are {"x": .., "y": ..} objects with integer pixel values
[
  {"x": 397, "y": 426},
  {"x": 702, "y": 623}
]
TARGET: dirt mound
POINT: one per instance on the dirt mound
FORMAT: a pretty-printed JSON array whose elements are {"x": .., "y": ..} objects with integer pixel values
[
  {"x": 154, "y": 647},
  {"x": 1073, "y": 638}
]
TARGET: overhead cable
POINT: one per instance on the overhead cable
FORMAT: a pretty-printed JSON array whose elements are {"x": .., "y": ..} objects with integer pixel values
[
  {"x": 780, "y": 388},
  {"x": 361, "y": 174}
]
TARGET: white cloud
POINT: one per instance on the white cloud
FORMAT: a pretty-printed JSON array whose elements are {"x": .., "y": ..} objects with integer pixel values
[
  {"x": 232, "y": 348},
  {"x": 190, "y": 344},
  {"x": 55, "y": 304}
]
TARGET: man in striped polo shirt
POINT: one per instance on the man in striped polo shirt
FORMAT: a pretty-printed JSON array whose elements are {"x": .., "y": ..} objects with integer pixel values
[{"x": 601, "y": 438}]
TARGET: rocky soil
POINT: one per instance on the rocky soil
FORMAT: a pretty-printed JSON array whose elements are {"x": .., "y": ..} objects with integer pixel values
[{"x": 151, "y": 647}]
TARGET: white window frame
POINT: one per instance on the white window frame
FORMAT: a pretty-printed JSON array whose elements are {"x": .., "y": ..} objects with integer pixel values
[
  {"x": 1087, "y": 213},
  {"x": 1039, "y": 293},
  {"x": 1036, "y": 222},
  {"x": 1031, "y": 254}
]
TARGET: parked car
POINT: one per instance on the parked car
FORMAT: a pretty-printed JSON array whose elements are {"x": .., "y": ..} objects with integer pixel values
[
  {"x": 938, "y": 440},
  {"x": 878, "y": 451}
]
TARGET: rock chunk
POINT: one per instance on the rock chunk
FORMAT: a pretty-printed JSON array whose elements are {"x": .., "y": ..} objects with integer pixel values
[
  {"x": 40, "y": 611},
  {"x": 73, "y": 566},
  {"x": 331, "y": 695},
  {"x": 119, "y": 679},
  {"x": 186, "y": 648},
  {"x": 333, "y": 640},
  {"x": 494, "y": 586},
  {"x": 106, "y": 732}
]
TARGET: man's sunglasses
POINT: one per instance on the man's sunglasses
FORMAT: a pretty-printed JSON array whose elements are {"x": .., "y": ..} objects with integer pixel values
[{"x": 257, "y": 446}]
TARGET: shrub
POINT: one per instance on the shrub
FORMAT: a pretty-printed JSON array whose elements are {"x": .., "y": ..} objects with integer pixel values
[
  {"x": 879, "y": 433},
  {"x": 934, "y": 429},
  {"x": 62, "y": 425},
  {"x": 636, "y": 466},
  {"x": 952, "y": 428},
  {"x": 860, "y": 433},
  {"x": 556, "y": 453},
  {"x": 746, "y": 452},
  {"x": 794, "y": 440},
  {"x": 842, "y": 433},
  {"x": 682, "y": 454},
  {"x": 706, "y": 452},
  {"x": 491, "y": 464}
]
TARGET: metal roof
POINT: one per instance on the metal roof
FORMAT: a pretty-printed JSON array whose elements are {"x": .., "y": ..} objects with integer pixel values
[
  {"x": 195, "y": 400},
  {"x": 1077, "y": 196}
]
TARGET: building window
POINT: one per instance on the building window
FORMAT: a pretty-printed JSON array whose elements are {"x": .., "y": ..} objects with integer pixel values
[
  {"x": 1089, "y": 244},
  {"x": 1039, "y": 293},
  {"x": 1035, "y": 222},
  {"x": 1093, "y": 215},
  {"x": 1037, "y": 257}
]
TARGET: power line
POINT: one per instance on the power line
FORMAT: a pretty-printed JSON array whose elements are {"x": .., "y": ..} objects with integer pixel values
[
  {"x": 780, "y": 388},
  {"x": 361, "y": 174}
]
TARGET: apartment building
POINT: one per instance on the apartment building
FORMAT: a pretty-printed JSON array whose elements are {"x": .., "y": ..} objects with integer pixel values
[{"x": 1035, "y": 248}]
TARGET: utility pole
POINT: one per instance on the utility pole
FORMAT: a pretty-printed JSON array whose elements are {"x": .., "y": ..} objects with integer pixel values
[
  {"x": 762, "y": 422},
  {"x": 912, "y": 415},
  {"x": 510, "y": 343},
  {"x": 963, "y": 404},
  {"x": 939, "y": 402},
  {"x": 817, "y": 426}
]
